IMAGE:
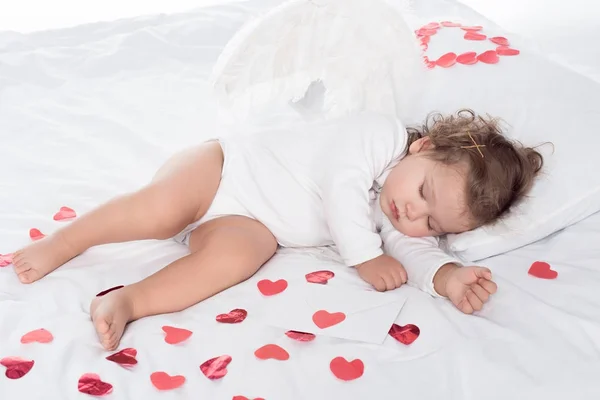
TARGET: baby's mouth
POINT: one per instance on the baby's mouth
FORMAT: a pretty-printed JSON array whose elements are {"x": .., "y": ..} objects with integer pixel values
[{"x": 394, "y": 210}]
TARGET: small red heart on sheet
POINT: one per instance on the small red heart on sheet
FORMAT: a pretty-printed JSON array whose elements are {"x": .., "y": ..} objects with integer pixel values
[
  {"x": 233, "y": 317},
  {"x": 324, "y": 319},
  {"x": 450, "y": 24},
  {"x": 107, "y": 291},
  {"x": 39, "y": 335},
  {"x": 320, "y": 277},
  {"x": 246, "y": 398},
  {"x": 35, "y": 234},
  {"x": 176, "y": 335},
  {"x": 447, "y": 60},
  {"x": 300, "y": 336},
  {"x": 163, "y": 381},
  {"x": 468, "y": 58},
  {"x": 16, "y": 367},
  {"x": 470, "y": 35},
  {"x": 215, "y": 368},
  {"x": 345, "y": 370},
  {"x": 489, "y": 57},
  {"x": 430, "y": 64},
  {"x": 125, "y": 357},
  {"x": 270, "y": 288},
  {"x": 506, "y": 51},
  {"x": 499, "y": 40},
  {"x": 93, "y": 385},
  {"x": 431, "y": 25},
  {"x": 425, "y": 40},
  {"x": 405, "y": 334},
  {"x": 272, "y": 351},
  {"x": 65, "y": 214},
  {"x": 426, "y": 32},
  {"x": 541, "y": 269},
  {"x": 471, "y": 28},
  {"x": 6, "y": 259}
]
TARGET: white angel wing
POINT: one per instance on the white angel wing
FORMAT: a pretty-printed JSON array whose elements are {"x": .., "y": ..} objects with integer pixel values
[{"x": 362, "y": 52}]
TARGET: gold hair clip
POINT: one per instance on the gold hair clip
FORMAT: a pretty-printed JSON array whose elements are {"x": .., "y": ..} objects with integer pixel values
[{"x": 476, "y": 146}]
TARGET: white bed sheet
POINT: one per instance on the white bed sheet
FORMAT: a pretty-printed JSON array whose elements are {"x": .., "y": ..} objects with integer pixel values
[{"x": 90, "y": 112}]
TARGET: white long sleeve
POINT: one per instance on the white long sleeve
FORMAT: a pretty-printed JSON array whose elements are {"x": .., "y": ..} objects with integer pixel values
[
  {"x": 421, "y": 256},
  {"x": 365, "y": 149}
]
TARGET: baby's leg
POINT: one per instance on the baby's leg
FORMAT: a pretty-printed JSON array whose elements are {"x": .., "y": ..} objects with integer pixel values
[
  {"x": 180, "y": 193},
  {"x": 225, "y": 251}
]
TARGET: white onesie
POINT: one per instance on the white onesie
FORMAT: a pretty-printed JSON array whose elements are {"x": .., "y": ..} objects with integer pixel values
[{"x": 318, "y": 185}]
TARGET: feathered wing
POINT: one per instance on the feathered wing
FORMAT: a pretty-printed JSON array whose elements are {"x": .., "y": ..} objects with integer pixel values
[{"x": 362, "y": 51}]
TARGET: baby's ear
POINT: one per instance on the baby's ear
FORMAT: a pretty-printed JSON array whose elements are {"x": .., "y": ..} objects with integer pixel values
[{"x": 420, "y": 145}]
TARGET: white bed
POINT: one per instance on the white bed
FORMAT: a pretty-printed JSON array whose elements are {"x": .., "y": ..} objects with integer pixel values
[{"x": 90, "y": 112}]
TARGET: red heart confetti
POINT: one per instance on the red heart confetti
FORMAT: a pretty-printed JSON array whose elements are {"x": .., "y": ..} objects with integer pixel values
[
  {"x": 300, "y": 336},
  {"x": 471, "y": 28},
  {"x": 428, "y": 63},
  {"x": 176, "y": 335},
  {"x": 233, "y": 317},
  {"x": 215, "y": 368},
  {"x": 470, "y": 35},
  {"x": 405, "y": 334},
  {"x": 447, "y": 60},
  {"x": 272, "y": 351},
  {"x": 35, "y": 234},
  {"x": 102, "y": 293},
  {"x": 6, "y": 259},
  {"x": 93, "y": 385},
  {"x": 125, "y": 357},
  {"x": 16, "y": 367},
  {"x": 426, "y": 32},
  {"x": 450, "y": 24},
  {"x": 65, "y": 214},
  {"x": 425, "y": 39},
  {"x": 245, "y": 398},
  {"x": 541, "y": 269},
  {"x": 345, "y": 370},
  {"x": 499, "y": 40},
  {"x": 324, "y": 319},
  {"x": 489, "y": 57},
  {"x": 468, "y": 58},
  {"x": 506, "y": 51},
  {"x": 431, "y": 25},
  {"x": 270, "y": 288},
  {"x": 39, "y": 335},
  {"x": 163, "y": 381},
  {"x": 320, "y": 277}
]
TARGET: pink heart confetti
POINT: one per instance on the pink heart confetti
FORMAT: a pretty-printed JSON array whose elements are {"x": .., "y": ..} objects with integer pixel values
[{"x": 16, "y": 367}]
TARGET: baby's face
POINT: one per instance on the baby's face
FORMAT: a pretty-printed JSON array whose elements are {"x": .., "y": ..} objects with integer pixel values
[{"x": 422, "y": 197}]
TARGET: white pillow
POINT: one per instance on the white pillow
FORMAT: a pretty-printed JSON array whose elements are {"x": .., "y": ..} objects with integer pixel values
[{"x": 541, "y": 101}]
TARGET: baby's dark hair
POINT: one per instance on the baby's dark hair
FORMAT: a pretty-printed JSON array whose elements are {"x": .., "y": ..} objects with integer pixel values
[{"x": 496, "y": 181}]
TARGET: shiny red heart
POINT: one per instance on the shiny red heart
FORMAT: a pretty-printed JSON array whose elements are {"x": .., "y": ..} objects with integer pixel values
[
  {"x": 35, "y": 234},
  {"x": 489, "y": 57},
  {"x": 470, "y": 35},
  {"x": 405, "y": 334},
  {"x": 176, "y": 335},
  {"x": 541, "y": 269},
  {"x": 215, "y": 368},
  {"x": 272, "y": 351},
  {"x": 93, "y": 385},
  {"x": 163, "y": 381},
  {"x": 300, "y": 336},
  {"x": 233, "y": 317},
  {"x": 506, "y": 51},
  {"x": 125, "y": 357},
  {"x": 245, "y": 398},
  {"x": 324, "y": 319},
  {"x": 450, "y": 24},
  {"x": 270, "y": 288},
  {"x": 447, "y": 60},
  {"x": 345, "y": 370},
  {"x": 468, "y": 58},
  {"x": 107, "y": 291},
  {"x": 320, "y": 277},
  {"x": 16, "y": 367},
  {"x": 499, "y": 40},
  {"x": 39, "y": 335},
  {"x": 65, "y": 214},
  {"x": 471, "y": 28},
  {"x": 6, "y": 259}
]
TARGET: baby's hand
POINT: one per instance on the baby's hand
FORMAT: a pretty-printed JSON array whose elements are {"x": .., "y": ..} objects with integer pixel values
[
  {"x": 383, "y": 272},
  {"x": 467, "y": 287}
]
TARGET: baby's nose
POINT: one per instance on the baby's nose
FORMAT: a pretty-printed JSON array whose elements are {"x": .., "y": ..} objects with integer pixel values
[{"x": 412, "y": 212}]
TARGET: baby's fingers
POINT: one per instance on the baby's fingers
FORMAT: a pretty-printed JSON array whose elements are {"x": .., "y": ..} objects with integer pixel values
[
  {"x": 480, "y": 292},
  {"x": 489, "y": 286},
  {"x": 475, "y": 301}
]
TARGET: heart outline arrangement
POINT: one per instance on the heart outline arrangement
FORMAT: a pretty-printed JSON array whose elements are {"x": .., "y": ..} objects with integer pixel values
[{"x": 468, "y": 58}]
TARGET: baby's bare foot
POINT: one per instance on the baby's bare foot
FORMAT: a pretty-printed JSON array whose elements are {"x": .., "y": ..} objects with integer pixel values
[
  {"x": 110, "y": 313},
  {"x": 42, "y": 257}
]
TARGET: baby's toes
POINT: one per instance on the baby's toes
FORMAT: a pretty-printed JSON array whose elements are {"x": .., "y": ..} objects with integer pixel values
[{"x": 27, "y": 276}]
